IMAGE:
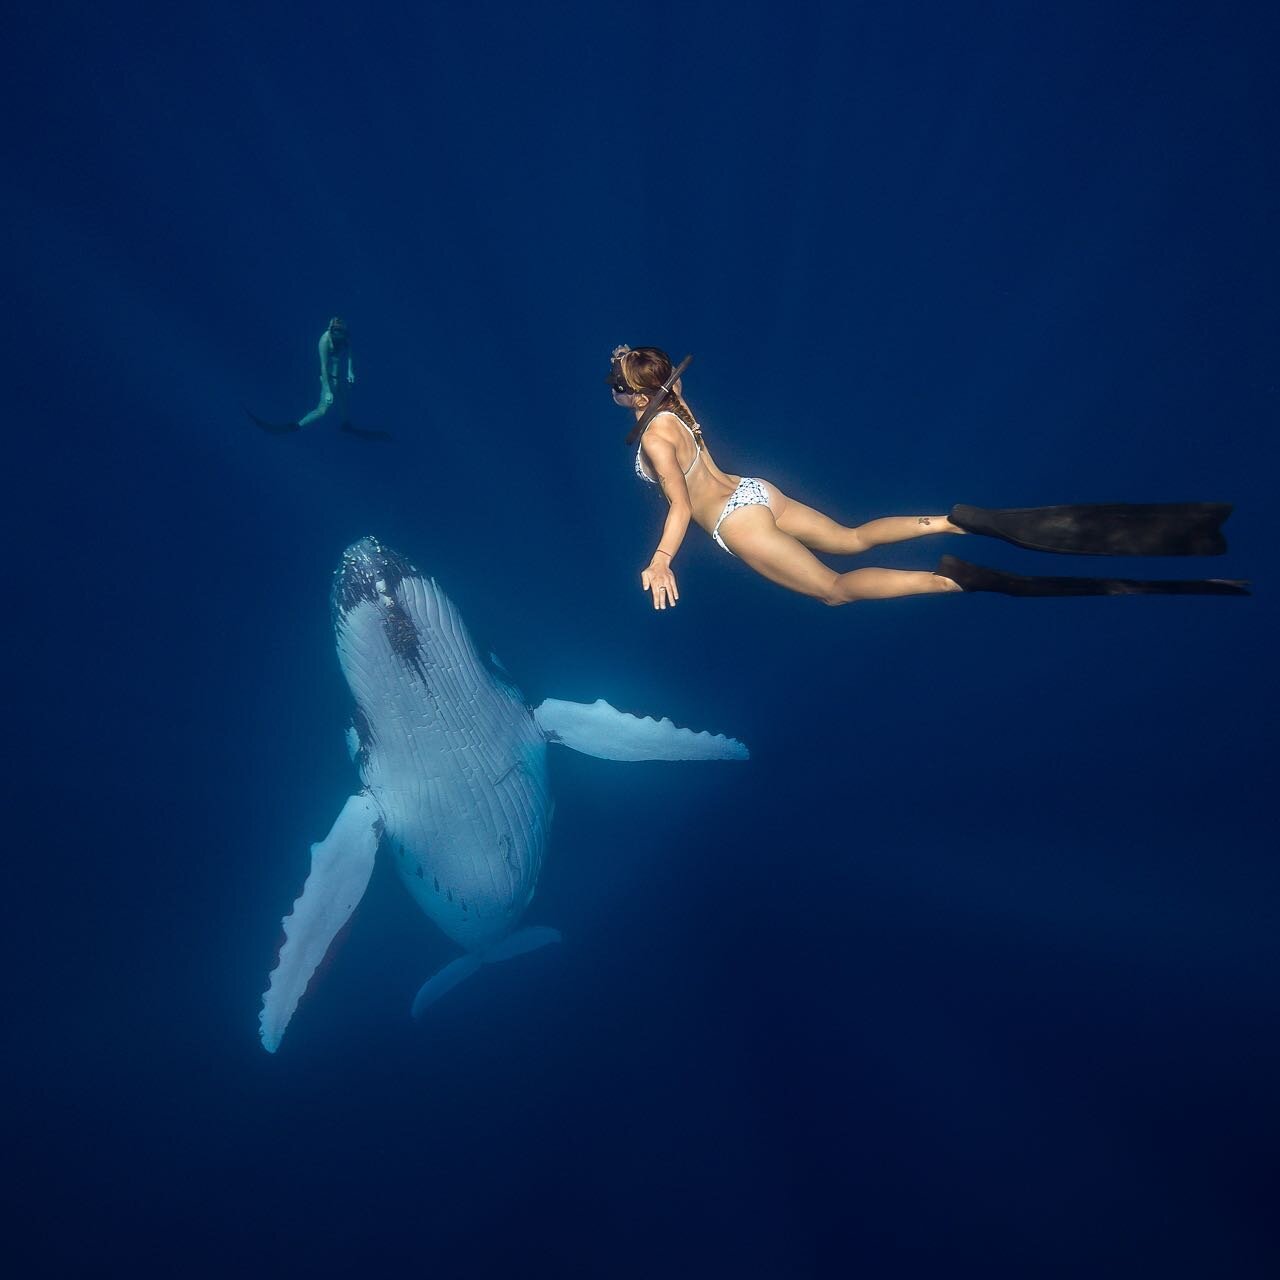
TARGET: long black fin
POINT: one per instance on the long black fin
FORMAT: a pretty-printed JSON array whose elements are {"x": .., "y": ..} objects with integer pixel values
[
  {"x": 365, "y": 433},
  {"x": 976, "y": 577},
  {"x": 1105, "y": 529},
  {"x": 272, "y": 428}
]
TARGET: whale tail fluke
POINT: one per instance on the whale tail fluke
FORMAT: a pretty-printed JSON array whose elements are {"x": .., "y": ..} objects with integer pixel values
[
  {"x": 459, "y": 970},
  {"x": 530, "y": 938},
  {"x": 438, "y": 984}
]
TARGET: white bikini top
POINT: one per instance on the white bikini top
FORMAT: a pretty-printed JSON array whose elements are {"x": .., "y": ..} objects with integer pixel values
[{"x": 643, "y": 471}]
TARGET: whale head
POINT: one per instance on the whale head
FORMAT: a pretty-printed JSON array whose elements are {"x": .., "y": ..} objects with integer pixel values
[
  {"x": 368, "y": 573},
  {"x": 368, "y": 605},
  {"x": 411, "y": 666}
]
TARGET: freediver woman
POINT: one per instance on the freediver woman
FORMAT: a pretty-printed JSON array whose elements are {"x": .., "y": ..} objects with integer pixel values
[
  {"x": 335, "y": 351},
  {"x": 751, "y": 518}
]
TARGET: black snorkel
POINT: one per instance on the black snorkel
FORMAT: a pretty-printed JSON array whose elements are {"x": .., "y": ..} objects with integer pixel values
[{"x": 659, "y": 398}]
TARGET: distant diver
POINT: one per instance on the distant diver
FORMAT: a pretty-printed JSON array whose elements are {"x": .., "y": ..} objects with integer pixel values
[
  {"x": 335, "y": 349},
  {"x": 753, "y": 519}
]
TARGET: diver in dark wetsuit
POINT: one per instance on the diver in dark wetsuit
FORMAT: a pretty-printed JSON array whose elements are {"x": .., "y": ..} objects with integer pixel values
[
  {"x": 337, "y": 373},
  {"x": 335, "y": 349}
]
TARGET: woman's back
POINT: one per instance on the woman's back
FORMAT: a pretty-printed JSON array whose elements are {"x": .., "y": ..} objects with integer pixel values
[{"x": 708, "y": 486}]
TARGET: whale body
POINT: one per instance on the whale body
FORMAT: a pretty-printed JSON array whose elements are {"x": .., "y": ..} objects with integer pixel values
[{"x": 453, "y": 769}]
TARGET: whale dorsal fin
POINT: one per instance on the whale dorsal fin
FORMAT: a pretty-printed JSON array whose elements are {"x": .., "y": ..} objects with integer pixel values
[{"x": 597, "y": 729}]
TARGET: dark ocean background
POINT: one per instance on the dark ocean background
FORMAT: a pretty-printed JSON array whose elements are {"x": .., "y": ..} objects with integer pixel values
[{"x": 973, "y": 968}]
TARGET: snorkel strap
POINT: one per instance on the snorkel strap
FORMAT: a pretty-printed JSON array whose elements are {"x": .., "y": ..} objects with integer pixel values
[{"x": 660, "y": 398}]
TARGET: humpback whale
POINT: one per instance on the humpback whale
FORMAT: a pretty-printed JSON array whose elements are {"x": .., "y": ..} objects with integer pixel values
[{"x": 453, "y": 776}]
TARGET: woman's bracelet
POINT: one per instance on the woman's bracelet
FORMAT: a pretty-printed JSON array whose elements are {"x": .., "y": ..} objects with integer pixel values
[{"x": 660, "y": 552}]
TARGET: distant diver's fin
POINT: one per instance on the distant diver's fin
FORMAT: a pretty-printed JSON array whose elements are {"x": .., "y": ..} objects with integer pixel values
[
  {"x": 597, "y": 729},
  {"x": 272, "y": 428},
  {"x": 1115, "y": 529},
  {"x": 341, "y": 865},
  {"x": 364, "y": 433},
  {"x": 515, "y": 944},
  {"x": 974, "y": 577}
]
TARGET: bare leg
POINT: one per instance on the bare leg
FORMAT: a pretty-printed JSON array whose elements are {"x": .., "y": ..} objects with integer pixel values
[
  {"x": 326, "y": 403},
  {"x": 752, "y": 534},
  {"x": 821, "y": 533},
  {"x": 879, "y": 533},
  {"x": 888, "y": 584}
]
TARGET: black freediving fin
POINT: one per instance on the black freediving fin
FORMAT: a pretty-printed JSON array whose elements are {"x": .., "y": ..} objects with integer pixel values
[
  {"x": 272, "y": 428},
  {"x": 1108, "y": 529},
  {"x": 975, "y": 577},
  {"x": 365, "y": 433}
]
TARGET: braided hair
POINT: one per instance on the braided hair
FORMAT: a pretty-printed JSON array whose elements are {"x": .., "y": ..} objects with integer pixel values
[{"x": 644, "y": 370}]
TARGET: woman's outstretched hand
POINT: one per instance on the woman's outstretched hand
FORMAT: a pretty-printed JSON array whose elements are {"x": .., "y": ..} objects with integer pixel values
[{"x": 659, "y": 579}]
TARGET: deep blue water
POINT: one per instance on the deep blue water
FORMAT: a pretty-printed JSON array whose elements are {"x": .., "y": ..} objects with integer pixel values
[{"x": 973, "y": 968}]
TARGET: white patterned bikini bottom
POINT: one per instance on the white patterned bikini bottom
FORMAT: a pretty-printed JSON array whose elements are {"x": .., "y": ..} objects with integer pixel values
[{"x": 749, "y": 493}]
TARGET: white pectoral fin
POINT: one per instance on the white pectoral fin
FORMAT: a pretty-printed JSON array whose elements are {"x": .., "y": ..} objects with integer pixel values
[
  {"x": 341, "y": 865},
  {"x": 597, "y": 729}
]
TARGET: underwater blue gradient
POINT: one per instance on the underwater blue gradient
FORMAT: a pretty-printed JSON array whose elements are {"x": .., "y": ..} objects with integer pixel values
[{"x": 973, "y": 968}]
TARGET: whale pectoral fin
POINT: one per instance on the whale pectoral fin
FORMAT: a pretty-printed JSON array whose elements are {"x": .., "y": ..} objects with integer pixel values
[
  {"x": 597, "y": 729},
  {"x": 341, "y": 865}
]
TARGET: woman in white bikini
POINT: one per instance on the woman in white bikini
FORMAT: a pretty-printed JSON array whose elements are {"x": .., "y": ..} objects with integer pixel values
[{"x": 777, "y": 536}]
